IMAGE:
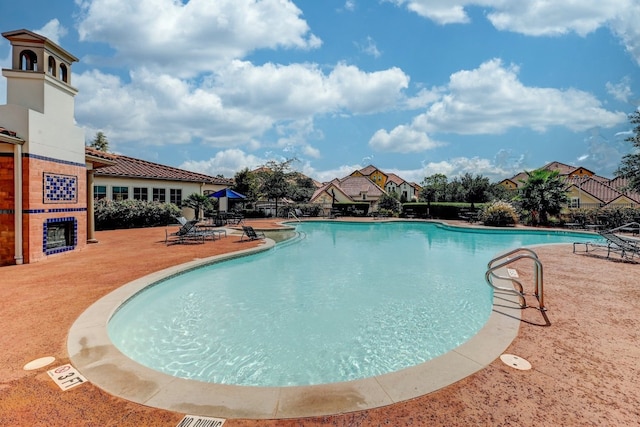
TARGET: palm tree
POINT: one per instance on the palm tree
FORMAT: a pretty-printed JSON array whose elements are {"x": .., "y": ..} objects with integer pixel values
[
  {"x": 543, "y": 194},
  {"x": 197, "y": 202}
]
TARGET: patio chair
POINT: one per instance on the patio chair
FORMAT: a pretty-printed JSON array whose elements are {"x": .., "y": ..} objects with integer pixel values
[
  {"x": 187, "y": 232},
  {"x": 299, "y": 213},
  {"x": 627, "y": 248},
  {"x": 250, "y": 233}
]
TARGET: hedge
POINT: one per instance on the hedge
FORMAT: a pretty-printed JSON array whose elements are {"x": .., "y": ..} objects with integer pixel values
[{"x": 116, "y": 214}]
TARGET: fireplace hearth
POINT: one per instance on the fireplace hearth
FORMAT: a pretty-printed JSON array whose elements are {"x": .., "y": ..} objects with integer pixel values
[{"x": 59, "y": 235}]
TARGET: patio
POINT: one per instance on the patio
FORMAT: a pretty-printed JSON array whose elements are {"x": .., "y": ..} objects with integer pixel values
[{"x": 584, "y": 365}]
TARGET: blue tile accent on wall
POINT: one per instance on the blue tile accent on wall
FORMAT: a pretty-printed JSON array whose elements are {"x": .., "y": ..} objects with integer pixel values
[
  {"x": 54, "y": 210},
  {"x": 51, "y": 159},
  {"x": 60, "y": 188}
]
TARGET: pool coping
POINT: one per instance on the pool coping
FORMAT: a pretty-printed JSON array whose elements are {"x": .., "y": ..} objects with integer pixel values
[{"x": 94, "y": 355}]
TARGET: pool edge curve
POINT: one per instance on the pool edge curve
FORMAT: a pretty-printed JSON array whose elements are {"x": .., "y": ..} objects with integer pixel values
[{"x": 94, "y": 355}]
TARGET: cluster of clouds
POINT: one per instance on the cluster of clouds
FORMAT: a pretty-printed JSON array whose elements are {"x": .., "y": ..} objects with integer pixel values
[
  {"x": 189, "y": 81},
  {"x": 541, "y": 17}
]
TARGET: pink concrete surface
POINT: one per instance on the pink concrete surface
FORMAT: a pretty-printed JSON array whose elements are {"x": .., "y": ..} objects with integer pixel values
[{"x": 584, "y": 353}]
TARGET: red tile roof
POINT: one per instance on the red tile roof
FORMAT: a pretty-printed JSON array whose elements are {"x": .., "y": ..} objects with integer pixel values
[
  {"x": 395, "y": 179},
  {"x": 603, "y": 191},
  {"x": 368, "y": 170},
  {"x": 129, "y": 167}
]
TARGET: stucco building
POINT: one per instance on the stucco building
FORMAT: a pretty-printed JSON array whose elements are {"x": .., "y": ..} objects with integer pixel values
[
  {"x": 47, "y": 175},
  {"x": 43, "y": 168}
]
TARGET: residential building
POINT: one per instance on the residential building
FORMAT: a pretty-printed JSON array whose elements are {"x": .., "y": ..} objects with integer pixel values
[
  {"x": 374, "y": 174},
  {"x": 364, "y": 185},
  {"x": 406, "y": 191},
  {"x": 131, "y": 178},
  {"x": 350, "y": 189},
  {"x": 585, "y": 188}
]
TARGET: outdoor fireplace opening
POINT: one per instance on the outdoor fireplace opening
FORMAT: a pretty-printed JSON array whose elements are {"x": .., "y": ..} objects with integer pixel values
[{"x": 59, "y": 235}]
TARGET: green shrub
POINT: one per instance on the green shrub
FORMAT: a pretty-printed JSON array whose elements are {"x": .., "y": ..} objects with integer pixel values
[
  {"x": 115, "y": 214},
  {"x": 499, "y": 214}
]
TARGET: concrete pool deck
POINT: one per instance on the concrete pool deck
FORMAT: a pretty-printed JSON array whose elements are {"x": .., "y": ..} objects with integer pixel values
[{"x": 584, "y": 364}]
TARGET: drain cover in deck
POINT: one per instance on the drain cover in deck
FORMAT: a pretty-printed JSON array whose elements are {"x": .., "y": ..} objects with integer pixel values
[
  {"x": 39, "y": 363},
  {"x": 516, "y": 362}
]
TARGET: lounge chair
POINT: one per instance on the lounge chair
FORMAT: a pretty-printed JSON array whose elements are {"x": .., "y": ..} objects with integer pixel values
[
  {"x": 187, "y": 232},
  {"x": 250, "y": 233},
  {"x": 300, "y": 214},
  {"x": 627, "y": 248}
]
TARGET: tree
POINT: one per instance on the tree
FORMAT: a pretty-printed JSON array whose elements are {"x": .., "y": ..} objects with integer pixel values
[
  {"x": 302, "y": 188},
  {"x": 498, "y": 191},
  {"x": 197, "y": 202},
  {"x": 630, "y": 164},
  {"x": 474, "y": 188},
  {"x": 389, "y": 202},
  {"x": 274, "y": 182},
  {"x": 100, "y": 142},
  {"x": 434, "y": 188},
  {"x": 246, "y": 183},
  {"x": 455, "y": 191},
  {"x": 543, "y": 194}
]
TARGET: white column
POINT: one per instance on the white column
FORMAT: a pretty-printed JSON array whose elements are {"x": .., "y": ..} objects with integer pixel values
[{"x": 17, "y": 207}]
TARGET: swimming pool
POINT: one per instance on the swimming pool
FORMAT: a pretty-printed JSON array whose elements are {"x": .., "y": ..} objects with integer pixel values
[{"x": 347, "y": 301}]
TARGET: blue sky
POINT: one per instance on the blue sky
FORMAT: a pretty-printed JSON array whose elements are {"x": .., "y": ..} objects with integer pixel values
[{"x": 415, "y": 87}]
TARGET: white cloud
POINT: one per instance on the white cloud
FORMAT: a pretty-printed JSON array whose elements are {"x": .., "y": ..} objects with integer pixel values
[
  {"x": 226, "y": 162},
  {"x": 234, "y": 107},
  {"x": 620, "y": 91},
  {"x": 491, "y": 100},
  {"x": 369, "y": 47},
  {"x": 441, "y": 11},
  {"x": 350, "y": 5},
  {"x": 458, "y": 166},
  {"x": 402, "y": 139},
  {"x": 542, "y": 17},
  {"x": 52, "y": 30},
  {"x": 298, "y": 90},
  {"x": 187, "y": 38},
  {"x": 160, "y": 109}
]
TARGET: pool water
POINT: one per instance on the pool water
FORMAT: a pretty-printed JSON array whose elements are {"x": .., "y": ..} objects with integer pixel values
[{"x": 344, "y": 301}]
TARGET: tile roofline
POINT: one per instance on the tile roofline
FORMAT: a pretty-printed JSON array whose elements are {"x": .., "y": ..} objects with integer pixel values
[{"x": 194, "y": 176}]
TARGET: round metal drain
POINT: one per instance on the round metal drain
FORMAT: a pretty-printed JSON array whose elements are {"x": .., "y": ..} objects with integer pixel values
[
  {"x": 515, "y": 362},
  {"x": 39, "y": 363}
]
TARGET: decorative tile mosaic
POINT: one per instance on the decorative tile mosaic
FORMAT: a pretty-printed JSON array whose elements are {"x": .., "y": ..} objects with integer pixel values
[{"x": 60, "y": 188}]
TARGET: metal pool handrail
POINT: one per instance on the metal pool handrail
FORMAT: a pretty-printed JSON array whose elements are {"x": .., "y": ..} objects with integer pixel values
[{"x": 538, "y": 276}]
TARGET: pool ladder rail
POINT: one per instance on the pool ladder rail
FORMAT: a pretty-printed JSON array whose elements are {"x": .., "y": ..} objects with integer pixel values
[{"x": 504, "y": 260}]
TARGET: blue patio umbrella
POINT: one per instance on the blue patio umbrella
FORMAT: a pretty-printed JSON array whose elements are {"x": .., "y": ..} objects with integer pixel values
[
  {"x": 224, "y": 195},
  {"x": 228, "y": 193}
]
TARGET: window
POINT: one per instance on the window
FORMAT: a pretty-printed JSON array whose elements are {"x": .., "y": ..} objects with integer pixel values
[
  {"x": 575, "y": 202},
  {"x": 120, "y": 193},
  {"x": 28, "y": 61},
  {"x": 159, "y": 195},
  {"x": 64, "y": 75},
  {"x": 175, "y": 196},
  {"x": 99, "y": 192},
  {"x": 52, "y": 66},
  {"x": 140, "y": 193}
]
